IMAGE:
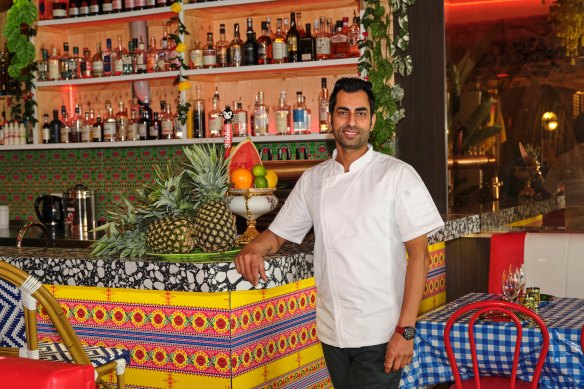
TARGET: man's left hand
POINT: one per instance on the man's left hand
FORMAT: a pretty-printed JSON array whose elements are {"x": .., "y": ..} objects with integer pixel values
[{"x": 399, "y": 353}]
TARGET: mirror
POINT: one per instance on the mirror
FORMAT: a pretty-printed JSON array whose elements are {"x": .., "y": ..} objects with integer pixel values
[{"x": 512, "y": 79}]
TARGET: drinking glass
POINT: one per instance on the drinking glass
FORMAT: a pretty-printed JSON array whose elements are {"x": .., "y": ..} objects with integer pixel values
[{"x": 511, "y": 284}]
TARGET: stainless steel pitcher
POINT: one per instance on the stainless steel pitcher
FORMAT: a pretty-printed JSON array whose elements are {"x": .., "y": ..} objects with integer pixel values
[{"x": 80, "y": 212}]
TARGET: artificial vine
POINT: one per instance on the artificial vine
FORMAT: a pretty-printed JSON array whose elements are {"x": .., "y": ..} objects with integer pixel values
[
  {"x": 180, "y": 80},
  {"x": 383, "y": 56},
  {"x": 18, "y": 30}
]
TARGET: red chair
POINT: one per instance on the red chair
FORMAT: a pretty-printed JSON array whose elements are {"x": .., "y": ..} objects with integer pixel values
[
  {"x": 506, "y": 249},
  {"x": 495, "y": 307},
  {"x": 32, "y": 373}
]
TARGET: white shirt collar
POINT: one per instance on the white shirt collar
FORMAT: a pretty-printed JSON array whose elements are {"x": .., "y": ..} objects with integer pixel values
[{"x": 357, "y": 164}]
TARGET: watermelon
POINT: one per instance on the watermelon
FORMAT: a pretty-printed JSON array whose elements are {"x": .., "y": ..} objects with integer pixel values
[{"x": 244, "y": 155}]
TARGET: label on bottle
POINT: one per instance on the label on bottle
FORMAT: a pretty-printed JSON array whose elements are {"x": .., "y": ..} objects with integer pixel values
[
  {"x": 59, "y": 13},
  {"x": 126, "y": 64},
  {"x": 323, "y": 46},
  {"x": 142, "y": 130},
  {"x": 240, "y": 123},
  {"x": 107, "y": 64},
  {"x": 109, "y": 131},
  {"x": 107, "y": 7},
  {"x": 129, "y": 5},
  {"x": 282, "y": 122},
  {"x": 150, "y": 3},
  {"x": 86, "y": 134},
  {"x": 323, "y": 112},
  {"x": 94, "y": 9},
  {"x": 84, "y": 9},
  {"x": 223, "y": 57},
  {"x": 298, "y": 116},
  {"x": 278, "y": 50},
  {"x": 118, "y": 65},
  {"x": 96, "y": 134},
  {"x": 64, "y": 131},
  {"x": 97, "y": 68},
  {"x": 132, "y": 132},
  {"x": 209, "y": 58},
  {"x": 167, "y": 129},
  {"x": 197, "y": 58},
  {"x": 73, "y": 11},
  {"x": 46, "y": 134},
  {"x": 292, "y": 44},
  {"x": 54, "y": 69},
  {"x": 261, "y": 122},
  {"x": 236, "y": 56},
  {"x": 117, "y": 5},
  {"x": 215, "y": 125}
]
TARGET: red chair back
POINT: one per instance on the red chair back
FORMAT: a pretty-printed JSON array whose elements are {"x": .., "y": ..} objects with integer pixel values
[
  {"x": 490, "y": 307},
  {"x": 506, "y": 249}
]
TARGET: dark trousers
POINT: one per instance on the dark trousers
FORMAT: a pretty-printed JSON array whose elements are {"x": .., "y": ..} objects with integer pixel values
[{"x": 359, "y": 368}]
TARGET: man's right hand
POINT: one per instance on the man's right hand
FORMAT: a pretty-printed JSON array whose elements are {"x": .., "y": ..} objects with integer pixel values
[{"x": 250, "y": 263}]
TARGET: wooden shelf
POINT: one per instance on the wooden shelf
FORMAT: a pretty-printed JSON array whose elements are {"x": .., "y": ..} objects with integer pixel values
[
  {"x": 107, "y": 80},
  {"x": 170, "y": 142}
]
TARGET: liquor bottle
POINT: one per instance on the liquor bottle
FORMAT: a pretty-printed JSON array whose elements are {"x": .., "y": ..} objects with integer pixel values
[
  {"x": 298, "y": 115},
  {"x": 117, "y": 6},
  {"x": 269, "y": 26},
  {"x": 75, "y": 64},
  {"x": 299, "y": 25},
  {"x": 339, "y": 42},
  {"x": 107, "y": 7},
  {"x": 239, "y": 120},
  {"x": 261, "y": 116},
  {"x": 97, "y": 63},
  {"x": 250, "y": 47},
  {"x": 323, "y": 108},
  {"x": 64, "y": 63},
  {"x": 198, "y": 115},
  {"x": 86, "y": 129},
  {"x": 323, "y": 40},
  {"x": 118, "y": 54},
  {"x": 307, "y": 115},
  {"x": 264, "y": 46},
  {"x": 132, "y": 133},
  {"x": 144, "y": 122},
  {"x": 279, "y": 45},
  {"x": 59, "y": 9},
  {"x": 166, "y": 121},
  {"x": 131, "y": 5},
  {"x": 282, "y": 115},
  {"x": 97, "y": 130},
  {"x": 55, "y": 128},
  {"x": 76, "y": 126},
  {"x": 73, "y": 8},
  {"x": 109, "y": 123},
  {"x": 94, "y": 8},
  {"x": 122, "y": 122},
  {"x": 150, "y": 3},
  {"x": 285, "y": 29},
  {"x": 86, "y": 64},
  {"x": 161, "y": 3},
  {"x": 84, "y": 8},
  {"x": 152, "y": 57},
  {"x": 54, "y": 70},
  {"x": 354, "y": 37},
  {"x": 209, "y": 53},
  {"x": 292, "y": 37},
  {"x": 307, "y": 46},
  {"x": 46, "y": 130},
  {"x": 196, "y": 56},
  {"x": 222, "y": 47},
  {"x": 65, "y": 128},
  {"x": 108, "y": 58},
  {"x": 236, "y": 47},
  {"x": 154, "y": 129},
  {"x": 140, "y": 56},
  {"x": 43, "y": 66},
  {"x": 215, "y": 119},
  {"x": 128, "y": 59}
]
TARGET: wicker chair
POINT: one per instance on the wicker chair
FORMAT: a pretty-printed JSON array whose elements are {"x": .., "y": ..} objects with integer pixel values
[{"x": 13, "y": 324}]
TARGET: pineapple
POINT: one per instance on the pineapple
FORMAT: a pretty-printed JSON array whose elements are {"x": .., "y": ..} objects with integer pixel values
[
  {"x": 206, "y": 172},
  {"x": 171, "y": 235}
]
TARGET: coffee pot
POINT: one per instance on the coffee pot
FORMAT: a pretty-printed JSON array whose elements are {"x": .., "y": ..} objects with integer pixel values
[
  {"x": 49, "y": 210},
  {"x": 79, "y": 212}
]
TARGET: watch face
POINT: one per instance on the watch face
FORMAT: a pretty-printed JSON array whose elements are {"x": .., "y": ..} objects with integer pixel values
[{"x": 409, "y": 333}]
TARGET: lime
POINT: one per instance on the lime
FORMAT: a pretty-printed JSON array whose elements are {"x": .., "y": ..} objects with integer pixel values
[
  {"x": 272, "y": 178},
  {"x": 259, "y": 171},
  {"x": 260, "y": 182}
]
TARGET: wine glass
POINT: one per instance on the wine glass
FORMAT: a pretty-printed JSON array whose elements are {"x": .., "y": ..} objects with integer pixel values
[
  {"x": 251, "y": 204},
  {"x": 511, "y": 285}
]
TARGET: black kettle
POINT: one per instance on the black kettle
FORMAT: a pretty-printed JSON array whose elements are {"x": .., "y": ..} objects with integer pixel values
[{"x": 50, "y": 211}]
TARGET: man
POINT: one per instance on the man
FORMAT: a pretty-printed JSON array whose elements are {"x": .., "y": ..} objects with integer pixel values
[
  {"x": 567, "y": 174},
  {"x": 367, "y": 210}
]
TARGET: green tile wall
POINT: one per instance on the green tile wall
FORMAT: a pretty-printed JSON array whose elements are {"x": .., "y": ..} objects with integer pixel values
[{"x": 110, "y": 172}]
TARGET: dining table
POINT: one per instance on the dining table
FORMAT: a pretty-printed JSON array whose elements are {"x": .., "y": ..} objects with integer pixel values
[{"x": 495, "y": 338}]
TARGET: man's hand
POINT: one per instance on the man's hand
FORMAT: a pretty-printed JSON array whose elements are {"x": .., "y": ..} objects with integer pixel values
[
  {"x": 250, "y": 263},
  {"x": 399, "y": 353}
]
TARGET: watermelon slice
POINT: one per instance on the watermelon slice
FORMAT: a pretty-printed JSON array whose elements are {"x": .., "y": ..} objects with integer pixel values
[{"x": 244, "y": 155}]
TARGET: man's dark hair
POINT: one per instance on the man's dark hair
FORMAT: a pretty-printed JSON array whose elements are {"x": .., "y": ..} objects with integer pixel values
[
  {"x": 351, "y": 85},
  {"x": 579, "y": 128}
]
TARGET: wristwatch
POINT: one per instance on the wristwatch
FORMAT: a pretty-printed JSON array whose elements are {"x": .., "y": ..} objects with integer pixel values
[{"x": 407, "y": 332}]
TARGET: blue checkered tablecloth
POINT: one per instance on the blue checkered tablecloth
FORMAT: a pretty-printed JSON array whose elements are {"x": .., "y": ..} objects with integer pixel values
[{"x": 564, "y": 366}]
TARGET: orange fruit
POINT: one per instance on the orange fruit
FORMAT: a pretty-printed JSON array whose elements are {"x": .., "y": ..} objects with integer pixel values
[
  {"x": 272, "y": 178},
  {"x": 241, "y": 178}
]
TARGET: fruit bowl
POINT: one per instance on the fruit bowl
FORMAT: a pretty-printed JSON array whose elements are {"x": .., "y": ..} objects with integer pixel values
[{"x": 251, "y": 204}]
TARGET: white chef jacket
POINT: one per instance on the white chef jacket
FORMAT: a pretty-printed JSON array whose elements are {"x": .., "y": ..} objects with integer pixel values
[{"x": 361, "y": 219}]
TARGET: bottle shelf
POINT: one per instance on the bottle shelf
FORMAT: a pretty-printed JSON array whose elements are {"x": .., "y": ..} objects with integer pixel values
[
  {"x": 169, "y": 142},
  {"x": 87, "y": 23},
  {"x": 107, "y": 80},
  {"x": 252, "y": 8}
]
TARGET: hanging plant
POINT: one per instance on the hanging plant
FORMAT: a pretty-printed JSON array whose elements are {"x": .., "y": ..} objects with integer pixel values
[
  {"x": 181, "y": 81},
  {"x": 384, "y": 55},
  {"x": 18, "y": 30}
]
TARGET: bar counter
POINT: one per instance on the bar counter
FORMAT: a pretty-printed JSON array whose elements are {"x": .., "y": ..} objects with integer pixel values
[{"x": 191, "y": 324}]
